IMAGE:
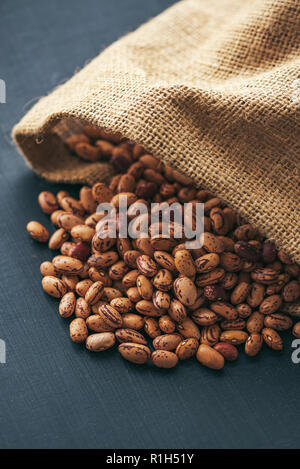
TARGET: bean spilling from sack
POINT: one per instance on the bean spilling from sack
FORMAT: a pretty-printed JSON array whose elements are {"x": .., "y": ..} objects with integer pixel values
[{"x": 159, "y": 301}]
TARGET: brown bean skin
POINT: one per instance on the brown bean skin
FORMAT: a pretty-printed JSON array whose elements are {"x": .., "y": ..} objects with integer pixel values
[
  {"x": 135, "y": 353},
  {"x": 296, "y": 330},
  {"x": 255, "y": 322},
  {"x": 270, "y": 304},
  {"x": 185, "y": 263},
  {"x": 118, "y": 270},
  {"x": 87, "y": 152},
  {"x": 253, "y": 344},
  {"x": 130, "y": 335},
  {"x": 151, "y": 327},
  {"x": 67, "y": 305},
  {"x": 187, "y": 328},
  {"x": 54, "y": 286},
  {"x": 207, "y": 263},
  {"x": 277, "y": 321},
  {"x": 144, "y": 246},
  {"x": 210, "y": 278},
  {"x": 291, "y": 291},
  {"x": 236, "y": 324},
  {"x": 68, "y": 220},
  {"x": 187, "y": 348},
  {"x": 147, "y": 308},
  {"x": 234, "y": 337},
  {"x": 163, "y": 280},
  {"x": 177, "y": 311},
  {"x": 165, "y": 260},
  {"x": 132, "y": 321},
  {"x": 272, "y": 338},
  {"x": 212, "y": 243},
  {"x": 229, "y": 352},
  {"x": 78, "y": 330},
  {"x": 61, "y": 195},
  {"x": 100, "y": 342},
  {"x": 70, "y": 281},
  {"x": 146, "y": 266},
  {"x": 47, "y": 268},
  {"x": 244, "y": 310},
  {"x": 94, "y": 293},
  {"x": 58, "y": 238},
  {"x": 37, "y": 231},
  {"x": 83, "y": 233},
  {"x": 96, "y": 275},
  {"x": 67, "y": 265},
  {"x": 231, "y": 262},
  {"x": 144, "y": 287},
  {"x": 55, "y": 215},
  {"x": 209, "y": 357},
  {"x": 129, "y": 279},
  {"x": 83, "y": 286},
  {"x": 133, "y": 294},
  {"x": 103, "y": 260},
  {"x": 265, "y": 276},
  {"x": 229, "y": 280},
  {"x": 122, "y": 305},
  {"x": 110, "y": 316},
  {"x": 87, "y": 200},
  {"x": 256, "y": 295},
  {"x": 161, "y": 300},
  {"x": 82, "y": 308},
  {"x": 167, "y": 342},
  {"x": 240, "y": 293},
  {"x": 164, "y": 359},
  {"x": 185, "y": 290},
  {"x": 95, "y": 323},
  {"x": 210, "y": 335},
  {"x": 204, "y": 317},
  {"x": 130, "y": 196},
  {"x": 48, "y": 202},
  {"x": 224, "y": 309}
]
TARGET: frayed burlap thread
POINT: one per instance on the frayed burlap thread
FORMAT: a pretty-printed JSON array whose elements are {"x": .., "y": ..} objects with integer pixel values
[{"x": 212, "y": 88}]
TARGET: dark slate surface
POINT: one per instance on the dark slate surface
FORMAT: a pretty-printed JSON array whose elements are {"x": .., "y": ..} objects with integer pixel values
[{"x": 53, "y": 393}]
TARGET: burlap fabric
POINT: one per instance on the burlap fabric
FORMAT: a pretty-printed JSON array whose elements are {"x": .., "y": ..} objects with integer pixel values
[{"x": 212, "y": 88}]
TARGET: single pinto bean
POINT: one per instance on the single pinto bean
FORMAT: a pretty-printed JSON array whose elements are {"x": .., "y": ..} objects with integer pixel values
[
  {"x": 54, "y": 286},
  {"x": 48, "y": 202},
  {"x": 253, "y": 344},
  {"x": 130, "y": 335},
  {"x": 146, "y": 265},
  {"x": 187, "y": 348},
  {"x": 229, "y": 352},
  {"x": 58, "y": 238},
  {"x": 272, "y": 338},
  {"x": 67, "y": 305},
  {"x": 100, "y": 342},
  {"x": 37, "y": 231},
  {"x": 78, "y": 330},
  {"x": 167, "y": 342},
  {"x": 185, "y": 290},
  {"x": 135, "y": 353},
  {"x": 164, "y": 359},
  {"x": 210, "y": 357}
]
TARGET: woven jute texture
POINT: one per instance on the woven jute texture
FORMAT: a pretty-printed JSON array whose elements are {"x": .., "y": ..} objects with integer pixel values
[{"x": 212, "y": 88}]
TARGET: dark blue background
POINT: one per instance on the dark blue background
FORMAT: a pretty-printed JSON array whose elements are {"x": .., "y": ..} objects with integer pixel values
[{"x": 54, "y": 393}]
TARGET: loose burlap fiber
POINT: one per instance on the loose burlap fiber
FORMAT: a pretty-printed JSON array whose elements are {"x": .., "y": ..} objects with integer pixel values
[{"x": 212, "y": 88}]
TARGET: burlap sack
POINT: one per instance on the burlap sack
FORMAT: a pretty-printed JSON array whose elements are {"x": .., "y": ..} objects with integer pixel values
[{"x": 211, "y": 87}]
